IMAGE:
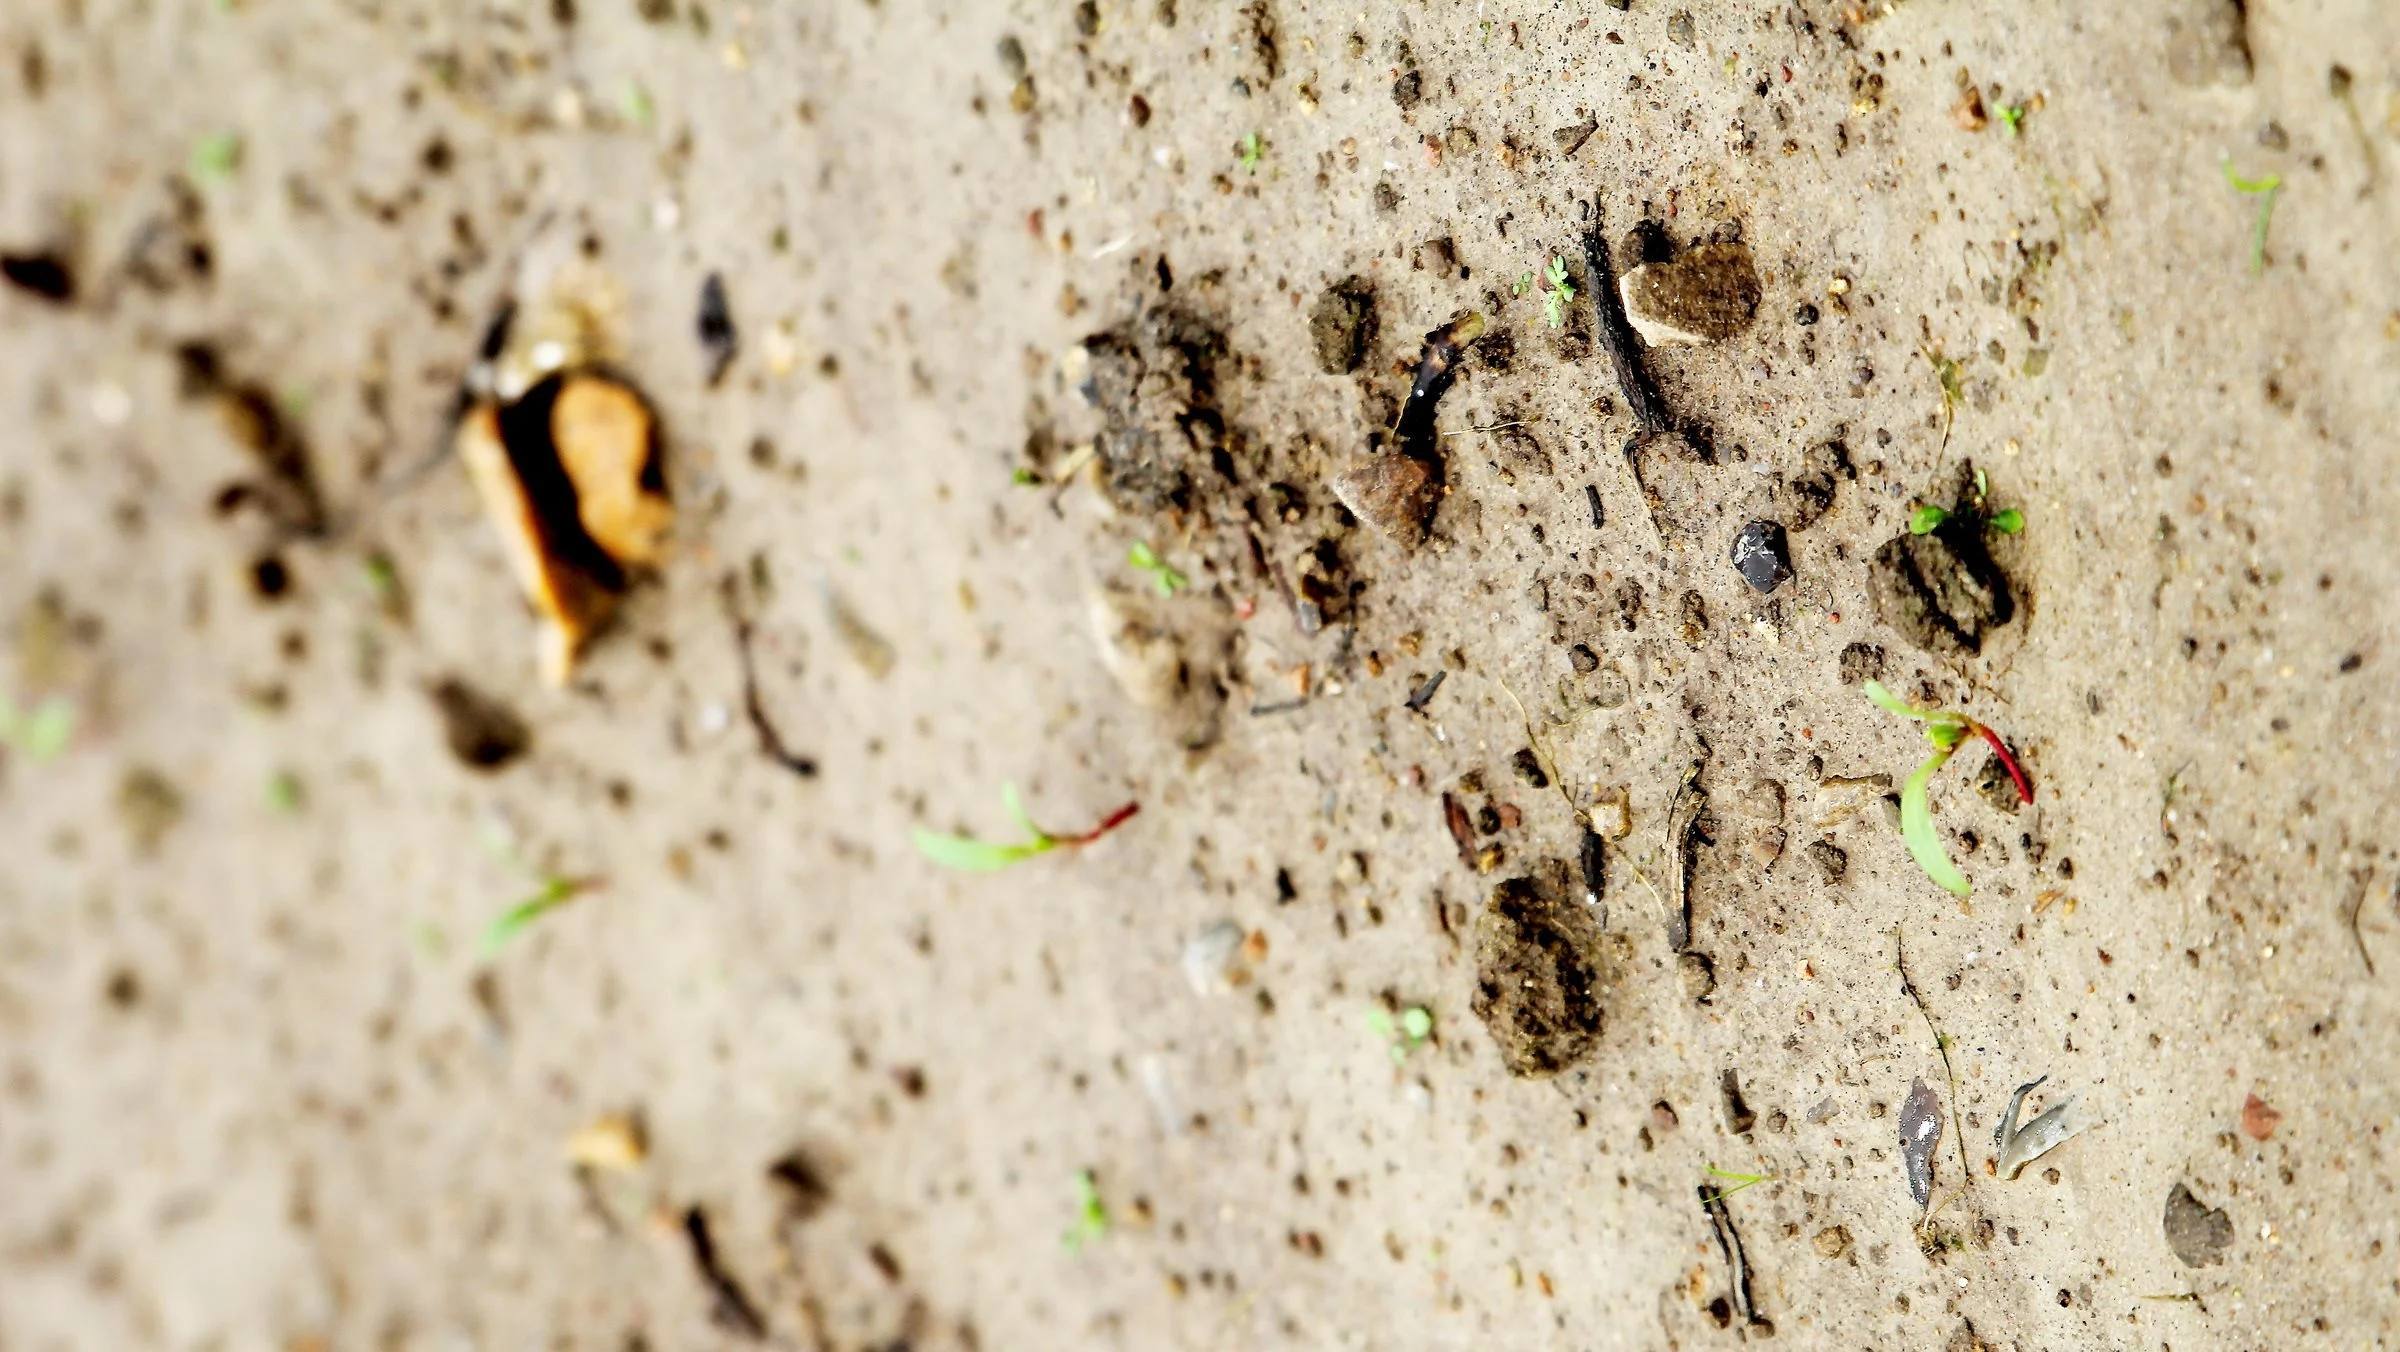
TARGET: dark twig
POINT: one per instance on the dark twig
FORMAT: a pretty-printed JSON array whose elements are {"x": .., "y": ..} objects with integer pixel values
[
  {"x": 2358, "y": 903},
  {"x": 729, "y": 1306},
  {"x": 770, "y": 740},
  {"x": 1682, "y": 814},
  {"x": 1649, "y": 408},
  {"x": 1729, "y": 1242}
]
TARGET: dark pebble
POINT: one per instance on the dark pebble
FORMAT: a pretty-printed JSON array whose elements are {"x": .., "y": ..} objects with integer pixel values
[
  {"x": 1862, "y": 662},
  {"x": 1805, "y": 316},
  {"x": 1529, "y": 769},
  {"x": 1763, "y": 556},
  {"x": 1586, "y": 661},
  {"x": 1409, "y": 90}
]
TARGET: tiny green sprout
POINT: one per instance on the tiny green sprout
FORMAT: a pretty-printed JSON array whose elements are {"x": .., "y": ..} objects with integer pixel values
[
  {"x": 969, "y": 855},
  {"x": 1254, "y": 149},
  {"x": 1560, "y": 293},
  {"x": 1946, "y": 729},
  {"x": 1162, "y": 575},
  {"x": 1740, "y": 1181},
  {"x": 216, "y": 156},
  {"x": 2009, "y": 522},
  {"x": 1523, "y": 284},
  {"x": 1926, "y": 520},
  {"x": 1983, "y": 484},
  {"x": 284, "y": 793},
  {"x": 1954, "y": 387},
  {"x": 1091, "y": 1213},
  {"x": 2012, "y": 116},
  {"x": 634, "y": 102},
  {"x": 41, "y": 734},
  {"x": 1409, "y": 1031},
  {"x": 2266, "y": 189},
  {"x": 556, "y": 891},
  {"x": 1024, "y": 477}
]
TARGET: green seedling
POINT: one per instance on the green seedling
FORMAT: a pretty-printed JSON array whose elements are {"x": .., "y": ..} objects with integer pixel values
[
  {"x": 1091, "y": 1213},
  {"x": 2012, "y": 118},
  {"x": 284, "y": 793},
  {"x": 1523, "y": 284},
  {"x": 1162, "y": 575},
  {"x": 2266, "y": 189},
  {"x": 1559, "y": 293},
  {"x": 216, "y": 156},
  {"x": 1024, "y": 477},
  {"x": 556, "y": 891},
  {"x": 1927, "y": 520},
  {"x": 1739, "y": 1181},
  {"x": 1946, "y": 729},
  {"x": 41, "y": 734},
  {"x": 1254, "y": 149},
  {"x": 1410, "y": 1030},
  {"x": 969, "y": 855}
]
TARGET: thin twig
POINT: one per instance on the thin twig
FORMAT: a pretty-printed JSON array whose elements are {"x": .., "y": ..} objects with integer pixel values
[
  {"x": 1958, "y": 1134},
  {"x": 770, "y": 740}
]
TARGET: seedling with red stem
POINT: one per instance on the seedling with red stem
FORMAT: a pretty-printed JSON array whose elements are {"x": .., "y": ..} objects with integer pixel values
[
  {"x": 1946, "y": 729},
  {"x": 970, "y": 855}
]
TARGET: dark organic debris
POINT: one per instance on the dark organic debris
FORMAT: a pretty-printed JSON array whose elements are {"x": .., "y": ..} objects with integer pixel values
[
  {"x": 770, "y": 738},
  {"x": 1707, "y": 295},
  {"x": 729, "y": 1306},
  {"x": 47, "y": 275},
  {"x": 1830, "y": 859},
  {"x": 1528, "y": 769},
  {"x": 1423, "y": 694},
  {"x": 1738, "y": 1117},
  {"x": 1591, "y": 498},
  {"x": 1591, "y": 854},
  {"x": 1342, "y": 326},
  {"x": 1737, "y": 1266},
  {"x": 1682, "y": 815},
  {"x": 1435, "y": 370},
  {"x": 1409, "y": 90},
  {"x": 1154, "y": 381},
  {"x": 1762, "y": 556},
  {"x": 718, "y": 338},
  {"x": 1571, "y": 139},
  {"x": 1920, "y": 1132},
  {"x": 482, "y": 732},
  {"x": 1648, "y": 406},
  {"x": 286, "y": 488},
  {"x": 2198, "y": 1233},
  {"x": 1809, "y": 494},
  {"x": 801, "y": 1183},
  {"x": 1461, "y": 828},
  {"x": 1537, "y": 973}
]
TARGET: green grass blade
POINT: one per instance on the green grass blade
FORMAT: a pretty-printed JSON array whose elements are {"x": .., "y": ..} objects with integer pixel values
[
  {"x": 969, "y": 855},
  {"x": 555, "y": 893},
  {"x": 1916, "y": 826},
  {"x": 1015, "y": 807}
]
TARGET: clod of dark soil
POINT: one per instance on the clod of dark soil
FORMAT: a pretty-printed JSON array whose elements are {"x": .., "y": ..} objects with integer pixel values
[
  {"x": 1831, "y": 860},
  {"x": 1861, "y": 662},
  {"x": 1571, "y": 139},
  {"x": 1537, "y": 973},
  {"x": 1738, "y": 1117},
  {"x": 47, "y": 275},
  {"x": 1707, "y": 295},
  {"x": 1920, "y": 1132},
  {"x": 1528, "y": 769},
  {"x": 1763, "y": 556},
  {"x": 148, "y": 806},
  {"x": 1592, "y": 854},
  {"x": 482, "y": 732},
  {"x": 287, "y": 487},
  {"x": 1409, "y": 90},
  {"x": 1343, "y": 325},
  {"x": 719, "y": 340},
  {"x": 1154, "y": 381},
  {"x": 1998, "y": 787},
  {"x": 1809, "y": 494},
  {"x": 2199, "y": 1234},
  {"x": 801, "y": 1184},
  {"x": 1941, "y": 589}
]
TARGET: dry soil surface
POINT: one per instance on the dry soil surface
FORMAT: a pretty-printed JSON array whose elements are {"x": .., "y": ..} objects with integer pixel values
[{"x": 261, "y": 1085}]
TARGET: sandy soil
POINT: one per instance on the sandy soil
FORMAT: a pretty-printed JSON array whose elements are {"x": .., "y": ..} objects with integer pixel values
[{"x": 260, "y": 1089}]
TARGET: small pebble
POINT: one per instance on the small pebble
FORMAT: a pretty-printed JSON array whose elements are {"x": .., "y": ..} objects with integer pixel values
[
  {"x": 1763, "y": 556},
  {"x": 1212, "y": 961},
  {"x": 1697, "y": 973}
]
